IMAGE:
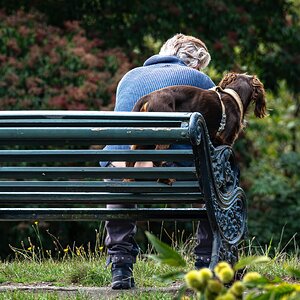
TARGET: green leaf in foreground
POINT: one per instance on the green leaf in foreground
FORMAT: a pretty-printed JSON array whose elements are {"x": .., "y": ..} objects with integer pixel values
[
  {"x": 250, "y": 260},
  {"x": 171, "y": 276},
  {"x": 263, "y": 281},
  {"x": 166, "y": 254}
]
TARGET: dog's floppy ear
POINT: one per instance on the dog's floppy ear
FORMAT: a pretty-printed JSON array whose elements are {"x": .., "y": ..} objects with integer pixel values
[
  {"x": 259, "y": 98},
  {"x": 227, "y": 79}
]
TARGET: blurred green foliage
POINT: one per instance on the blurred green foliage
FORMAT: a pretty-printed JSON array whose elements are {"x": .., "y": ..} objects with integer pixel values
[
  {"x": 271, "y": 173},
  {"x": 71, "y": 55}
]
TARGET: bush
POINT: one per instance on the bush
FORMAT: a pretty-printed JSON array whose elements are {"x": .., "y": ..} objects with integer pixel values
[
  {"x": 46, "y": 67},
  {"x": 271, "y": 177}
]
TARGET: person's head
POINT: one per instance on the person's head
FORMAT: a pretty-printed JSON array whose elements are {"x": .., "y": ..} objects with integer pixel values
[{"x": 190, "y": 50}]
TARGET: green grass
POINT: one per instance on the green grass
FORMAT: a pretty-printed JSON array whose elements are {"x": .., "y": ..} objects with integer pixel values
[
  {"x": 18, "y": 295},
  {"x": 147, "y": 296},
  {"x": 278, "y": 267},
  {"x": 281, "y": 260},
  {"x": 77, "y": 271},
  {"x": 93, "y": 272}
]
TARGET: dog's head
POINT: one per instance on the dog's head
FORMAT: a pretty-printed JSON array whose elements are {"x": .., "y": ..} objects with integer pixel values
[{"x": 248, "y": 87}]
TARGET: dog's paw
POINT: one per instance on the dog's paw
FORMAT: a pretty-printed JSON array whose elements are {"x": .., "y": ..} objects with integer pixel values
[
  {"x": 128, "y": 180},
  {"x": 168, "y": 181}
]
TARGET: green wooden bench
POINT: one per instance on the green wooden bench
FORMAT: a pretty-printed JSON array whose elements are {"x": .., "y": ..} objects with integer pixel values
[{"x": 49, "y": 164}]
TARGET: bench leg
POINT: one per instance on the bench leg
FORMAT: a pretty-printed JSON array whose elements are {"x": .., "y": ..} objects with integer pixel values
[{"x": 228, "y": 219}]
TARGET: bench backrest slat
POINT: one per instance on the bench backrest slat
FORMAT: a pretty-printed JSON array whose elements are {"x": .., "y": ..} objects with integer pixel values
[
  {"x": 92, "y": 135},
  {"x": 93, "y": 155},
  {"x": 84, "y": 123},
  {"x": 100, "y": 186},
  {"x": 42, "y": 173},
  {"x": 81, "y": 214},
  {"x": 88, "y": 115},
  {"x": 55, "y": 198}
]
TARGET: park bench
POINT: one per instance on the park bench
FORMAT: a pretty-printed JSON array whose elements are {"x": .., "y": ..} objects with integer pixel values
[{"x": 50, "y": 171}]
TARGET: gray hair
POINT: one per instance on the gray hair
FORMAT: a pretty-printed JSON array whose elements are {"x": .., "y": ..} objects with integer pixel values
[{"x": 190, "y": 50}]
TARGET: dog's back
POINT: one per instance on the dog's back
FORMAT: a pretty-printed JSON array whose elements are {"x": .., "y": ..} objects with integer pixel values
[
  {"x": 180, "y": 98},
  {"x": 184, "y": 99}
]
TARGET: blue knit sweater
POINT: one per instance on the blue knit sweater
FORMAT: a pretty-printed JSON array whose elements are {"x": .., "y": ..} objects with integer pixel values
[{"x": 158, "y": 71}]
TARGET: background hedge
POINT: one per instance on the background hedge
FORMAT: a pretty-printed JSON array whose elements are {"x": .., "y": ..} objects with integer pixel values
[{"x": 71, "y": 55}]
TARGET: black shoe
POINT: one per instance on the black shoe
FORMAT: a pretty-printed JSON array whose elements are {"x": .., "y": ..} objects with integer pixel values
[
  {"x": 202, "y": 262},
  {"x": 122, "y": 278}
]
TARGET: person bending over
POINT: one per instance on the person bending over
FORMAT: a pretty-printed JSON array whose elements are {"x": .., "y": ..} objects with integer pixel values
[{"x": 179, "y": 62}]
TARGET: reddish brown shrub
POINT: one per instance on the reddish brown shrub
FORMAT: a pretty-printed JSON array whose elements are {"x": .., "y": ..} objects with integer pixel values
[{"x": 44, "y": 67}]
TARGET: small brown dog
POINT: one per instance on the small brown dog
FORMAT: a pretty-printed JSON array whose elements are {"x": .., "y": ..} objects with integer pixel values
[{"x": 223, "y": 107}]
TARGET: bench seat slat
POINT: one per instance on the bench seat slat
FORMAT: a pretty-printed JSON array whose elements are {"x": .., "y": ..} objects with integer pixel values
[
  {"x": 96, "y": 214},
  {"x": 99, "y": 186},
  {"x": 183, "y": 173},
  {"x": 9, "y": 198},
  {"x": 93, "y": 155}
]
